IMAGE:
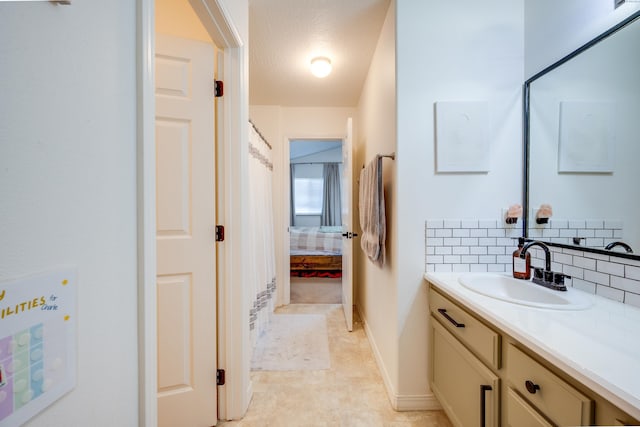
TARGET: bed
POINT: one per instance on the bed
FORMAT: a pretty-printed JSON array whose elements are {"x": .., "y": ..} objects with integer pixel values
[{"x": 316, "y": 251}]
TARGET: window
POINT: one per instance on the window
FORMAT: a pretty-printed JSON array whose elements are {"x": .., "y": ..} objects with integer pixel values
[{"x": 308, "y": 196}]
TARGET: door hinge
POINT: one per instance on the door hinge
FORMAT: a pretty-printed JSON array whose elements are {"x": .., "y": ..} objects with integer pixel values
[
  {"x": 220, "y": 377},
  {"x": 218, "y": 88},
  {"x": 219, "y": 233}
]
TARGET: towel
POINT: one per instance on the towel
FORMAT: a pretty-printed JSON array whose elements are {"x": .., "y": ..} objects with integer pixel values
[{"x": 372, "y": 213}]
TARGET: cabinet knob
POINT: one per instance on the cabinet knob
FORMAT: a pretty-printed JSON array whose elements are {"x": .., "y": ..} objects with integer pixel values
[{"x": 531, "y": 386}]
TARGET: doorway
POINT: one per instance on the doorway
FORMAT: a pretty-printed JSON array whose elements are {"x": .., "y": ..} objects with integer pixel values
[
  {"x": 315, "y": 223},
  {"x": 232, "y": 345}
]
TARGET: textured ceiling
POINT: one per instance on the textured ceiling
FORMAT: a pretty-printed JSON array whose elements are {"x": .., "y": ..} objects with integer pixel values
[{"x": 285, "y": 34}]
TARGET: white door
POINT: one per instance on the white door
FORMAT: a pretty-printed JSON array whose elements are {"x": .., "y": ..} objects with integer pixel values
[
  {"x": 185, "y": 177},
  {"x": 347, "y": 228}
]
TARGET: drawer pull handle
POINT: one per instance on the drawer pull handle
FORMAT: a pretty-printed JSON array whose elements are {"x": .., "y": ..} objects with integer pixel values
[
  {"x": 531, "y": 386},
  {"x": 483, "y": 403},
  {"x": 450, "y": 319}
]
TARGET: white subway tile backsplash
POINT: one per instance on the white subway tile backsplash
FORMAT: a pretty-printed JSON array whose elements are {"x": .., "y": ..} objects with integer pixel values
[
  {"x": 577, "y": 224},
  {"x": 613, "y": 224},
  {"x": 495, "y": 250},
  {"x": 451, "y": 241},
  {"x": 469, "y": 241},
  {"x": 487, "y": 223},
  {"x": 595, "y": 242},
  {"x": 444, "y": 232},
  {"x": 487, "y": 241},
  {"x": 504, "y": 259},
  {"x": 562, "y": 258},
  {"x": 507, "y": 242},
  {"x": 460, "y": 250},
  {"x": 610, "y": 268},
  {"x": 550, "y": 232},
  {"x": 444, "y": 268},
  {"x": 585, "y": 232},
  {"x": 604, "y": 233},
  {"x": 478, "y": 232},
  {"x": 596, "y": 256},
  {"x": 594, "y": 276},
  {"x": 443, "y": 250},
  {"x": 584, "y": 263},
  {"x": 574, "y": 272},
  {"x": 632, "y": 299},
  {"x": 487, "y": 246},
  {"x": 461, "y": 268},
  {"x": 595, "y": 223},
  {"x": 452, "y": 223},
  {"x": 625, "y": 284},
  {"x": 435, "y": 241},
  {"x": 487, "y": 259},
  {"x": 496, "y": 232},
  {"x": 632, "y": 272},
  {"x": 558, "y": 223},
  {"x": 583, "y": 285},
  {"x": 461, "y": 232},
  {"x": 478, "y": 268},
  {"x": 611, "y": 293},
  {"x": 452, "y": 259},
  {"x": 478, "y": 250},
  {"x": 435, "y": 223}
]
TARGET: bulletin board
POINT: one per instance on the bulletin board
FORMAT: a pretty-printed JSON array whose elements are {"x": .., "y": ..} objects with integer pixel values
[{"x": 38, "y": 329}]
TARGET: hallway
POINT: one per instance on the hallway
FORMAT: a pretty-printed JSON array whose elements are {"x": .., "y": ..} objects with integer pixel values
[{"x": 349, "y": 394}]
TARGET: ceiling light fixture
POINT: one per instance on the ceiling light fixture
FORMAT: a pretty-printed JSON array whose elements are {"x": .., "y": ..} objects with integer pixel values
[{"x": 320, "y": 66}]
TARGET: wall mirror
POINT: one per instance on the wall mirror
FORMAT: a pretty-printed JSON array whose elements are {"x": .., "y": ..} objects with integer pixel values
[{"x": 582, "y": 146}]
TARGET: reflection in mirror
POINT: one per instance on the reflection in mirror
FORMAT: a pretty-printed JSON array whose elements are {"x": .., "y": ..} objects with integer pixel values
[{"x": 583, "y": 145}]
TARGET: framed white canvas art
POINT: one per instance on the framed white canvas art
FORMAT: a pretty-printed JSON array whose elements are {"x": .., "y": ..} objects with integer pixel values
[
  {"x": 586, "y": 137},
  {"x": 462, "y": 136}
]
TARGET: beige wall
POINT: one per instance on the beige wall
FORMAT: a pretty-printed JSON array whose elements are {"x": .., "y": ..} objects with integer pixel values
[
  {"x": 376, "y": 297},
  {"x": 177, "y": 18},
  {"x": 278, "y": 125}
]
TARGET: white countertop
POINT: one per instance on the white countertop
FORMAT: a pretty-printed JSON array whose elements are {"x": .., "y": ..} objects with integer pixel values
[{"x": 598, "y": 346}]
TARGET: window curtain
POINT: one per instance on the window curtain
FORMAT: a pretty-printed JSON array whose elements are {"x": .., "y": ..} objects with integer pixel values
[
  {"x": 292, "y": 195},
  {"x": 331, "y": 198}
]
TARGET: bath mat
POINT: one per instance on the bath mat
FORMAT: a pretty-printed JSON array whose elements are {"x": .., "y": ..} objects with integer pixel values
[{"x": 293, "y": 342}]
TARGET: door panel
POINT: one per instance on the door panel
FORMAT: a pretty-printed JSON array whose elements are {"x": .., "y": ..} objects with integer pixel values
[
  {"x": 175, "y": 349},
  {"x": 347, "y": 227},
  {"x": 173, "y": 163},
  {"x": 186, "y": 284}
]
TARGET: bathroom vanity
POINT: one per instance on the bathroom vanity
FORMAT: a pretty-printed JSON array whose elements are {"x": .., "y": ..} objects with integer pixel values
[{"x": 530, "y": 358}]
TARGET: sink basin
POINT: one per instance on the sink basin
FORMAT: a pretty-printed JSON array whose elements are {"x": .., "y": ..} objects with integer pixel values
[{"x": 523, "y": 292}]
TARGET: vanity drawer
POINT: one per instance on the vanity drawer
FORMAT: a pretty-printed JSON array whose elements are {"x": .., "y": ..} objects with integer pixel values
[
  {"x": 552, "y": 396},
  {"x": 521, "y": 414},
  {"x": 480, "y": 339}
]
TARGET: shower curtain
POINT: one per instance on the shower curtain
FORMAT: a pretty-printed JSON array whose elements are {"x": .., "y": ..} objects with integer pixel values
[{"x": 260, "y": 262}]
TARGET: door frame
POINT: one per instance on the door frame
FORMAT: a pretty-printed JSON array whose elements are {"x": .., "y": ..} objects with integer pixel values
[
  {"x": 284, "y": 295},
  {"x": 233, "y": 321}
]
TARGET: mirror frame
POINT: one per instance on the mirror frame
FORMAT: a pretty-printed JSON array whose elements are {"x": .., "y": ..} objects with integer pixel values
[{"x": 526, "y": 138}]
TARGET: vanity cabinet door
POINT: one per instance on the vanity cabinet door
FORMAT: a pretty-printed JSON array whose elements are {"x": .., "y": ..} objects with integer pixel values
[
  {"x": 521, "y": 414},
  {"x": 466, "y": 388}
]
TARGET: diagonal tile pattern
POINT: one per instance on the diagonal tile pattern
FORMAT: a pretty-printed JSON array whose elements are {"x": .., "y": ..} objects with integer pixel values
[{"x": 349, "y": 394}]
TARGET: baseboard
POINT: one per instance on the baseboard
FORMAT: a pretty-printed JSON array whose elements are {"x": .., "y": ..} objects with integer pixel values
[{"x": 426, "y": 402}]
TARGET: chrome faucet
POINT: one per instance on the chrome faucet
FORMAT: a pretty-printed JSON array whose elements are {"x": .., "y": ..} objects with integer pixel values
[
  {"x": 546, "y": 277},
  {"x": 626, "y": 247}
]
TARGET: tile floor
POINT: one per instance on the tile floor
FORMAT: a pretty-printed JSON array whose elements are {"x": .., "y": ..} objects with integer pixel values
[{"x": 349, "y": 394}]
